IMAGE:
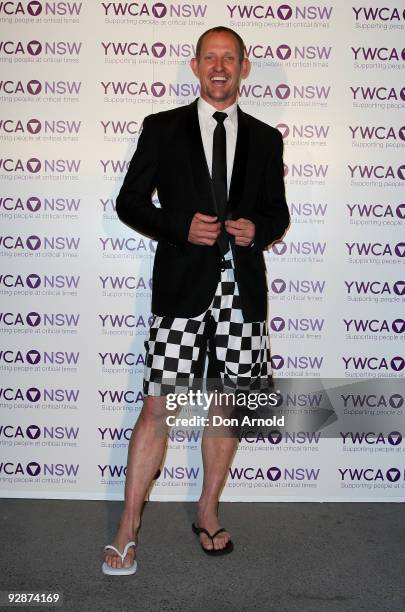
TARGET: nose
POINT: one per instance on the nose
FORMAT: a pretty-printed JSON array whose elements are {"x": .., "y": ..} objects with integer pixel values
[{"x": 219, "y": 64}]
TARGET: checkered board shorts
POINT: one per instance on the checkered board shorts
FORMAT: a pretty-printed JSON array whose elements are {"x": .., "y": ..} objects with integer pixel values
[{"x": 238, "y": 352}]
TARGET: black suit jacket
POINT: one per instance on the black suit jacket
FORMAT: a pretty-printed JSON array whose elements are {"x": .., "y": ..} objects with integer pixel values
[{"x": 170, "y": 157}]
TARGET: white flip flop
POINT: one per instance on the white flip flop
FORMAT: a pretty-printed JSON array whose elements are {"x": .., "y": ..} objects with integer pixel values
[{"x": 119, "y": 571}]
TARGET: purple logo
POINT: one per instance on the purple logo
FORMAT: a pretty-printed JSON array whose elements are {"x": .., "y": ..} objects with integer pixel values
[
  {"x": 34, "y": 8},
  {"x": 34, "y": 126},
  {"x": 33, "y": 432},
  {"x": 283, "y": 129},
  {"x": 278, "y": 285},
  {"x": 283, "y": 52},
  {"x": 158, "y": 89},
  {"x": 401, "y": 169},
  {"x": 283, "y": 91},
  {"x": 33, "y": 319},
  {"x": 398, "y": 326},
  {"x": 34, "y": 87},
  {"x": 394, "y": 438},
  {"x": 33, "y": 204},
  {"x": 274, "y": 473},
  {"x": 33, "y": 468},
  {"x": 279, "y": 248},
  {"x": 284, "y": 12},
  {"x": 158, "y": 49},
  {"x": 393, "y": 474},
  {"x": 33, "y": 394},
  {"x": 399, "y": 287},
  {"x": 396, "y": 400},
  {"x": 275, "y": 437},
  {"x": 33, "y": 357},
  {"x": 33, "y": 243},
  {"x": 33, "y": 281},
  {"x": 400, "y": 249},
  {"x": 34, "y": 47},
  {"x": 277, "y": 324},
  {"x": 159, "y": 10},
  {"x": 277, "y": 362},
  {"x": 33, "y": 165},
  {"x": 397, "y": 363}
]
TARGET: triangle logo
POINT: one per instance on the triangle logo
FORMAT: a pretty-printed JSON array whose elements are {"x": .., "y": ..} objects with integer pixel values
[
  {"x": 283, "y": 91},
  {"x": 278, "y": 285},
  {"x": 397, "y": 364},
  {"x": 33, "y": 243},
  {"x": 33, "y": 394},
  {"x": 158, "y": 89},
  {"x": 283, "y": 52},
  {"x": 277, "y": 362},
  {"x": 33, "y": 319},
  {"x": 34, "y": 125},
  {"x": 34, "y": 8},
  {"x": 33, "y": 165},
  {"x": 34, "y": 87},
  {"x": 393, "y": 474},
  {"x": 396, "y": 400},
  {"x": 159, "y": 49},
  {"x": 34, "y": 47},
  {"x": 33, "y": 281},
  {"x": 274, "y": 473}
]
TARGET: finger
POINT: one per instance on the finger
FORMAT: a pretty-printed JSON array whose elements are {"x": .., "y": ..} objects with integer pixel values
[
  {"x": 206, "y": 218},
  {"x": 241, "y": 223},
  {"x": 207, "y": 232},
  {"x": 235, "y": 231},
  {"x": 209, "y": 226},
  {"x": 207, "y": 242},
  {"x": 242, "y": 241}
]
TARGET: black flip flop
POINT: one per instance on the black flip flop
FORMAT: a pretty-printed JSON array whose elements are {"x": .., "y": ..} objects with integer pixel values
[{"x": 215, "y": 552}]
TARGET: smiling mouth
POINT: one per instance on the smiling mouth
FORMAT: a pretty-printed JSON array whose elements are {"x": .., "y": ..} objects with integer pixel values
[{"x": 218, "y": 79}]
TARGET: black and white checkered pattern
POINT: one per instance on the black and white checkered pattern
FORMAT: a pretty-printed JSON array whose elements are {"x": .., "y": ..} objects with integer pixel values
[{"x": 239, "y": 353}]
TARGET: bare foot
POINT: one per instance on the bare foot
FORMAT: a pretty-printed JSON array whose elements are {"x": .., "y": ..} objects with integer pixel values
[
  {"x": 124, "y": 535},
  {"x": 208, "y": 519}
]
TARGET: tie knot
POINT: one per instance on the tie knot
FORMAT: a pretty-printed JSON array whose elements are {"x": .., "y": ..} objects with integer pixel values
[{"x": 219, "y": 117}]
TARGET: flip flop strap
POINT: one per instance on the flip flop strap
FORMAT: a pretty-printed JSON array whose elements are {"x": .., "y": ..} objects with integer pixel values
[
  {"x": 217, "y": 532},
  {"x": 202, "y": 530},
  {"x": 122, "y": 555}
]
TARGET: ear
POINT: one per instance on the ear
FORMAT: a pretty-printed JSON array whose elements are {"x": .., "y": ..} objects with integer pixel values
[
  {"x": 245, "y": 69},
  {"x": 194, "y": 66}
]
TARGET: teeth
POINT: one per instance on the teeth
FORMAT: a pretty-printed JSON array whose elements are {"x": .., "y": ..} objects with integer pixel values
[{"x": 218, "y": 78}]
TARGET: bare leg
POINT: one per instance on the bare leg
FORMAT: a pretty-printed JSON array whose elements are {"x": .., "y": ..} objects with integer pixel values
[
  {"x": 217, "y": 455},
  {"x": 145, "y": 454}
]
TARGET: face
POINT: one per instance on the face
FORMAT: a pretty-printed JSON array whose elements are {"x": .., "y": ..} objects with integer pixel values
[{"x": 219, "y": 69}]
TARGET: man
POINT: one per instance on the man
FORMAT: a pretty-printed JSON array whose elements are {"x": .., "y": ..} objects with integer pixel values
[{"x": 219, "y": 176}]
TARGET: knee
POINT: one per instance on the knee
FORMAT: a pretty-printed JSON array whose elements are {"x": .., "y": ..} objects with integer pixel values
[{"x": 154, "y": 410}]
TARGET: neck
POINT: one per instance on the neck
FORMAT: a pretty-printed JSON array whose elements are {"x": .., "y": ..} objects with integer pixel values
[{"x": 219, "y": 104}]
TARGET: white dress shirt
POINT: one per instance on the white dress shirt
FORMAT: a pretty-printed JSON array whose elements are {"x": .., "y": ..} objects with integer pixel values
[{"x": 207, "y": 127}]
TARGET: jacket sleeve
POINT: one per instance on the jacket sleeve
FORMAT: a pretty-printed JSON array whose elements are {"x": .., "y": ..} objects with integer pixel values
[
  {"x": 272, "y": 217},
  {"x": 134, "y": 205}
]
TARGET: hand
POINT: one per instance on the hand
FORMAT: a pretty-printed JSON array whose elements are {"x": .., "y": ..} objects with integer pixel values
[
  {"x": 243, "y": 230},
  {"x": 204, "y": 229}
]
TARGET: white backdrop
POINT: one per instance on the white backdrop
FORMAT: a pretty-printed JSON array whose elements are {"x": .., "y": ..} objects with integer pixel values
[{"x": 77, "y": 80}]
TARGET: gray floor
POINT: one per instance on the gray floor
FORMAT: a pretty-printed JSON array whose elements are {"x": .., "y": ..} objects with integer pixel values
[{"x": 287, "y": 557}]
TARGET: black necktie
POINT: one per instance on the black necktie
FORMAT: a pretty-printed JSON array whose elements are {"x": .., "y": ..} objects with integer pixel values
[{"x": 219, "y": 176}]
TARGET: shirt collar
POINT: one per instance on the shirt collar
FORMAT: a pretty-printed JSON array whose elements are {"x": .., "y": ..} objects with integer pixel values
[{"x": 206, "y": 110}]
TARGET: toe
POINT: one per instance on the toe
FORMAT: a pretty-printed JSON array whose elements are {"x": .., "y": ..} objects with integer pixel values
[{"x": 206, "y": 542}]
